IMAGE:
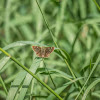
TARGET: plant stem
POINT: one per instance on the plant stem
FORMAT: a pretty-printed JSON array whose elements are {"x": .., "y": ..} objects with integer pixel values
[
  {"x": 96, "y": 4},
  {"x": 49, "y": 74},
  {"x": 76, "y": 37},
  {"x": 26, "y": 69},
  {"x": 70, "y": 69},
  {"x": 94, "y": 67},
  {"x": 3, "y": 84},
  {"x": 47, "y": 25}
]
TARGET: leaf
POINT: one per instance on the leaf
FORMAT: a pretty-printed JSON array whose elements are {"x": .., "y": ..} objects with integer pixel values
[
  {"x": 15, "y": 85},
  {"x": 28, "y": 79},
  {"x": 97, "y": 4},
  {"x": 22, "y": 77},
  {"x": 2, "y": 94},
  {"x": 89, "y": 88},
  {"x": 26, "y": 29},
  {"x": 63, "y": 54},
  {"x": 20, "y": 44},
  {"x": 3, "y": 61},
  {"x": 55, "y": 72},
  {"x": 3, "y": 85},
  {"x": 96, "y": 94},
  {"x": 67, "y": 55},
  {"x": 60, "y": 89},
  {"x": 20, "y": 20},
  {"x": 95, "y": 65}
]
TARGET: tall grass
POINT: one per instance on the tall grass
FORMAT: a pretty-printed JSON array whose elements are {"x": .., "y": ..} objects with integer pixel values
[{"x": 73, "y": 68}]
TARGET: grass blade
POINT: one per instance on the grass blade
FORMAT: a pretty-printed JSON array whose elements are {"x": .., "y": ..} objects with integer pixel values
[
  {"x": 59, "y": 90},
  {"x": 55, "y": 72},
  {"x": 4, "y": 86},
  {"x": 49, "y": 74},
  {"x": 21, "y": 43},
  {"x": 98, "y": 60},
  {"x": 26, "y": 69},
  {"x": 16, "y": 85},
  {"x": 3, "y": 61},
  {"x": 28, "y": 79},
  {"x": 89, "y": 88}
]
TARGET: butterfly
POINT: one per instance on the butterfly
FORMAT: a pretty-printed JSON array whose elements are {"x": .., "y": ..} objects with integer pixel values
[{"x": 43, "y": 52}]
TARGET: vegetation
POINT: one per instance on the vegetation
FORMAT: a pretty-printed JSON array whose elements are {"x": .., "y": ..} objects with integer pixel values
[{"x": 72, "y": 70}]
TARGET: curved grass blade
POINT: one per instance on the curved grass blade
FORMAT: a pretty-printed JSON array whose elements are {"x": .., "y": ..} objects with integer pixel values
[
  {"x": 89, "y": 88},
  {"x": 21, "y": 43},
  {"x": 7, "y": 20},
  {"x": 3, "y": 61},
  {"x": 26, "y": 69},
  {"x": 74, "y": 42},
  {"x": 62, "y": 53},
  {"x": 55, "y": 72},
  {"x": 3, "y": 85},
  {"x": 66, "y": 59},
  {"x": 28, "y": 79},
  {"x": 97, "y": 4},
  {"x": 61, "y": 89},
  {"x": 47, "y": 25},
  {"x": 97, "y": 61},
  {"x": 49, "y": 74},
  {"x": 96, "y": 94},
  {"x": 2, "y": 94},
  {"x": 16, "y": 85}
]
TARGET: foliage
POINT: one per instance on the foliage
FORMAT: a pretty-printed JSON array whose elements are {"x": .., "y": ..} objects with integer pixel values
[{"x": 72, "y": 70}]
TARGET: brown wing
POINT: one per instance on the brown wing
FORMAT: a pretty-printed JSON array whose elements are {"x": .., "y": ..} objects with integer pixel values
[
  {"x": 48, "y": 50},
  {"x": 37, "y": 50}
]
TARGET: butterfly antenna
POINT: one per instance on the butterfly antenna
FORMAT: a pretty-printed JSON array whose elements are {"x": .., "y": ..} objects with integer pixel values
[{"x": 49, "y": 73}]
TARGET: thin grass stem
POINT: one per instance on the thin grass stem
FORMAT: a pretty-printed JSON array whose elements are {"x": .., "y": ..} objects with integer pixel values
[
  {"x": 98, "y": 59},
  {"x": 47, "y": 25},
  {"x": 26, "y": 69},
  {"x": 3, "y": 85},
  {"x": 49, "y": 73},
  {"x": 97, "y": 4},
  {"x": 51, "y": 32}
]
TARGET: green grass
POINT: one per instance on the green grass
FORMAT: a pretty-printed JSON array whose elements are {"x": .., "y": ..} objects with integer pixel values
[{"x": 72, "y": 70}]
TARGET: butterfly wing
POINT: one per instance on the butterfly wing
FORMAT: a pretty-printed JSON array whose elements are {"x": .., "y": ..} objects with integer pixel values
[
  {"x": 37, "y": 50},
  {"x": 43, "y": 52},
  {"x": 48, "y": 50}
]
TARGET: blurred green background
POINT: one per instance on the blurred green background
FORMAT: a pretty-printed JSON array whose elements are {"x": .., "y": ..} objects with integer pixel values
[{"x": 76, "y": 28}]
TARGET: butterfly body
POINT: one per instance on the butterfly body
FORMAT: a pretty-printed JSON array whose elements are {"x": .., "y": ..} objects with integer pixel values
[{"x": 43, "y": 52}]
